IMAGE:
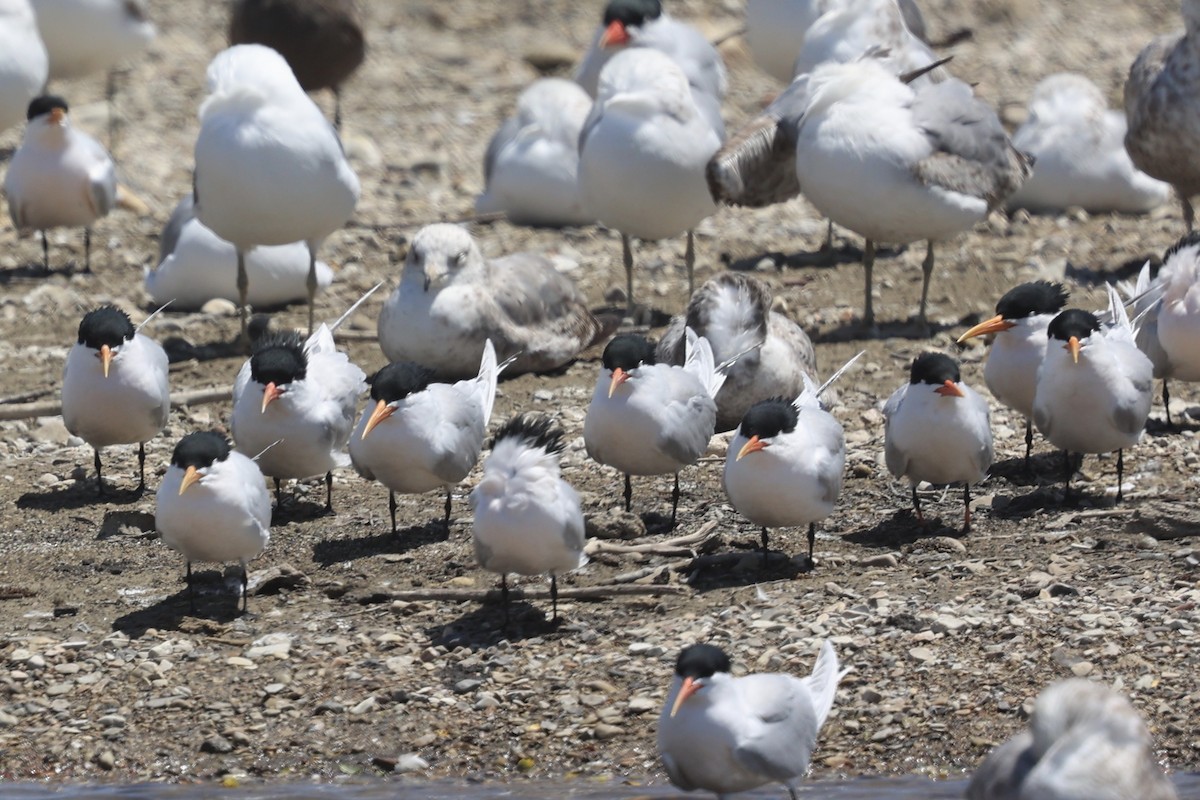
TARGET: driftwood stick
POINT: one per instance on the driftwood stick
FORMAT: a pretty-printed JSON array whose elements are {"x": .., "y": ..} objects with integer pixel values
[
  {"x": 531, "y": 593},
  {"x": 52, "y": 408},
  {"x": 671, "y": 547}
]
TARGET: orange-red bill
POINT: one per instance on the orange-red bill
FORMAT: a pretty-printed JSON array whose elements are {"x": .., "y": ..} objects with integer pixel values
[
  {"x": 614, "y": 35},
  {"x": 190, "y": 476},
  {"x": 270, "y": 394},
  {"x": 994, "y": 325},
  {"x": 106, "y": 357},
  {"x": 949, "y": 389},
  {"x": 689, "y": 688},
  {"x": 619, "y": 377},
  {"x": 753, "y": 446},
  {"x": 1073, "y": 347},
  {"x": 382, "y": 411}
]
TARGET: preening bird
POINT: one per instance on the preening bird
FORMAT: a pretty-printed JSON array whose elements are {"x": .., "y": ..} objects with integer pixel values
[
  {"x": 60, "y": 177},
  {"x": 115, "y": 388},
  {"x": 421, "y": 435},
  {"x": 23, "y": 62},
  {"x": 527, "y": 518},
  {"x": 938, "y": 430},
  {"x": 726, "y": 735},
  {"x": 213, "y": 505}
]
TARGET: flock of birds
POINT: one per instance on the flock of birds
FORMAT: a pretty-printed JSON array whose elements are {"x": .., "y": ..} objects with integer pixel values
[{"x": 872, "y": 128}]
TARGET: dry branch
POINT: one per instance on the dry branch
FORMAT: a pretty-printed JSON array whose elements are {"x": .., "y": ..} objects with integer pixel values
[{"x": 52, "y": 408}]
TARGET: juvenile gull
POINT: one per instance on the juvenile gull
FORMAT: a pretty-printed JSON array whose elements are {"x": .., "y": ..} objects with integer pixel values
[
  {"x": 450, "y": 300},
  {"x": 23, "y": 62}
]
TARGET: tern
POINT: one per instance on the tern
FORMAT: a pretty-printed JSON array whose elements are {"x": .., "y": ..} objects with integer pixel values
[
  {"x": 115, "y": 388},
  {"x": 531, "y": 167},
  {"x": 1093, "y": 387},
  {"x": 1162, "y": 107},
  {"x": 1078, "y": 146},
  {"x": 769, "y": 354},
  {"x": 1084, "y": 742},
  {"x": 726, "y": 735},
  {"x": 527, "y": 518},
  {"x": 322, "y": 40},
  {"x": 783, "y": 469},
  {"x": 450, "y": 300},
  {"x": 421, "y": 435},
  {"x": 213, "y": 505},
  {"x": 23, "y": 62},
  {"x": 938, "y": 430},
  {"x": 1022, "y": 315},
  {"x": 642, "y": 155},
  {"x": 195, "y": 266},
  {"x": 652, "y": 419},
  {"x": 270, "y": 169},
  {"x": 60, "y": 177}
]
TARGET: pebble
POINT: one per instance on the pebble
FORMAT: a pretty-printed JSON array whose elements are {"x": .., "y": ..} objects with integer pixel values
[{"x": 216, "y": 744}]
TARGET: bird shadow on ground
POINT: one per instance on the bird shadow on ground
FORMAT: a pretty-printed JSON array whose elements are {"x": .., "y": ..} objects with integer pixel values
[
  {"x": 336, "y": 551},
  {"x": 1158, "y": 428},
  {"x": 855, "y": 331},
  {"x": 79, "y": 495},
  {"x": 127, "y": 525},
  {"x": 902, "y": 528},
  {"x": 843, "y": 254},
  {"x": 179, "y": 350},
  {"x": 1043, "y": 467},
  {"x": 293, "y": 509},
  {"x": 1126, "y": 270},
  {"x": 743, "y": 565},
  {"x": 484, "y": 625},
  {"x": 36, "y": 272},
  {"x": 218, "y": 599}
]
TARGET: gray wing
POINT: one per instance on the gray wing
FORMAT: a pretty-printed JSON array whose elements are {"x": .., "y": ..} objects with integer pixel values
[
  {"x": 102, "y": 187},
  {"x": 780, "y": 746},
  {"x": 1000, "y": 775},
  {"x": 914, "y": 20},
  {"x": 184, "y": 213},
  {"x": 500, "y": 139},
  {"x": 972, "y": 154},
  {"x": 672, "y": 346},
  {"x": 757, "y": 166},
  {"x": 799, "y": 343},
  {"x": 897, "y": 461},
  {"x": 687, "y": 427},
  {"x": 460, "y": 435},
  {"x": 1130, "y": 414}
]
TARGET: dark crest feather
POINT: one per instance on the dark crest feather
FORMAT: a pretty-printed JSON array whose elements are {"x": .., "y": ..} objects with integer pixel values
[
  {"x": 536, "y": 430},
  {"x": 106, "y": 325},
  {"x": 701, "y": 661},
  {"x": 934, "y": 369},
  {"x": 200, "y": 449}
]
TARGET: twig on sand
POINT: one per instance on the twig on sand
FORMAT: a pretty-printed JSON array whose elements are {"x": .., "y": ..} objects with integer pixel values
[
  {"x": 52, "y": 408},
  {"x": 680, "y": 545}
]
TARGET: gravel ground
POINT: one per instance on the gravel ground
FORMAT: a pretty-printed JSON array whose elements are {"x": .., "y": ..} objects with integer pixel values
[{"x": 104, "y": 675}]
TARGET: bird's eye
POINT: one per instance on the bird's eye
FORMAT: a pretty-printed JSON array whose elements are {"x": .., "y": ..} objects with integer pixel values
[{"x": 460, "y": 258}]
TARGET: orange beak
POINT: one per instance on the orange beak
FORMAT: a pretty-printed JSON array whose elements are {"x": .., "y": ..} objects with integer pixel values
[
  {"x": 1073, "y": 347},
  {"x": 994, "y": 325},
  {"x": 614, "y": 35},
  {"x": 106, "y": 357},
  {"x": 619, "y": 377},
  {"x": 270, "y": 394},
  {"x": 56, "y": 116},
  {"x": 382, "y": 411},
  {"x": 689, "y": 688},
  {"x": 949, "y": 389},
  {"x": 189, "y": 477},
  {"x": 753, "y": 446}
]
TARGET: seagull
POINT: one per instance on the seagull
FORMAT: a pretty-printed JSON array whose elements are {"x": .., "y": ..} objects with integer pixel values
[
  {"x": 115, "y": 388},
  {"x": 450, "y": 300},
  {"x": 60, "y": 177},
  {"x": 527, "y": 518},
  {"x": 937, "y": 429},
  {"x": 769, "y": 354},
  {"x": 897, "y": 162},
  {"x": 726, "y": 735},
  {"x": 1022, "y": 315},
  {"x": 783, "y": 469},
  {"x": 643, "y": 152},
  {"x": 322, "y": 40},
  {"x": 23, "y": 62},
  {"x": 421, "y": 435},
  {"x": 652, "y": 419},
  {"x": 270, "y": 169},
  {"x": 294, "y": 402},
  {"x": 1078, "y": 144},
  {"x": 1094, "y": 386},
  {"x": 195, "y": 266},
  {"x": 1161, "y": 107},
  {"x": 1084, "y": 741},
  {"x": 213, "y": 505},
  {"x": 531, "y": 166}
]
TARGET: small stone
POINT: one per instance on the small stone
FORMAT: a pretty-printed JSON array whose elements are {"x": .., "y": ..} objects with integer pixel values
[
  {"x": 614, "y": 524},
  {"x": 923, "y": 654},
  {"x": 467, "y": 685},
  {"x": 106, "y": 760},
  {"x": 370, "y": 704},
  {"x": 645, "y": 649},
  {"x": 881, "y": 560},
  {"x": 216, "y": 744},
  {"x": 1082, "y": 669},
  {"x": 606, "y": 731},
  {"x": 410, "y": 762},
  {"x": 219, "y": 307}
]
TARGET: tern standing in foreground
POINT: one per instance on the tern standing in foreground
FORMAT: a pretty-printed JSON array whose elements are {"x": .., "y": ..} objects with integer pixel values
[
  {"x": 115, "y": 388},
  {"x": 1094, "y": 387},
  {"x": 421, "y": 435},
  {"x": 60, "y": 177},
  {"x": 1022, "y": 316},
  {"x": 269, "y": 167},
  {"x": 1084, "y": 742},
  {"x": 643, "y": 152},
  {"x": 213, "y": 505},
  {"x": 23, "y": 63},
  {"x": 726, "y": 735},
  {"x": 527, "y": 518},
  {"x": 652, "y": 419},
  {"x": 938, "y": 430}
]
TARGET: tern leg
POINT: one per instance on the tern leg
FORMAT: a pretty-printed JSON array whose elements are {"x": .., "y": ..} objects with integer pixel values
[
  {"x": 927, "y": 271},
  {"x": 45, "y": 252},
  {"x": 1028, "y": 443},
  {"x": 554, "y": 596},
  {"x": 828, "y": 246},
  {"x": 110, "y": 94},
  {"x": 966, "y": 508},
  {"x": 245, "y": 587},
  {"x": 812, "y": 541},
  {"x": 628, "y": 492},
  {"x": 392, "y": 509},
  {"x": 917, "y": 505},
  {"x": 99, "y": 478},
  {"x": 243, "y": 287},
  {"x": 278, "y": 495},
  {"x": 191, "y": 589},
  {"x": 141, "y": 467},
  {"x": 87, "y": 250},
  {"x": 627, "y": 257},
  {"x": 765, "y": 551},
  {"x": 311, "y": 285},
  {"x": 337, "y": 109},
  {"x": 449, "y": 496},
  {"x": 329, "y": 492},
  {"x": 1167, "y": 401},
  {"x": 1067, "y": 487},
  {"x": 868, "y": 272},
  {"x": 504, "y": 596},
  {"x": 1189, "y": 216},
  {"x": 674, "y": 500},
  {"x": 1120, "y": 472},
  {"x": 689, "y": 258}
]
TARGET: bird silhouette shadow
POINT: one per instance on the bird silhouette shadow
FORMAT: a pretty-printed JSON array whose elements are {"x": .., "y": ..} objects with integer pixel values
[
  {"x": 180, "y": 349},
  {"x": 485, "y": 624},
  {"x": 117, "y": 523},
  {"x": 902, "y": 528},
  {"x": 217, "y": 600},
  {"x": 845, "y": 253},
  {"x": 293, "y": 509},
  {"x": 336, "y": 551},
  {"x": 35, "y": 271},
  {"x": 855, "y": 330},
  {"x": 80, "y": 494},
  {"x": 1126, "y": 270},
  {"x": 1043, "y": 467}
]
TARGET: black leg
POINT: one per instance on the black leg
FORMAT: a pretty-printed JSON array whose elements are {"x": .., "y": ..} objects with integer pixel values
[
  {"x": 628, "y": 493},
  {"x": 449, "y": 498},
  {"x": 191, "y": 589},
  {"x": 868, "y": 275},
  {"x": 243, "y": 287},
  {"x": 627, "y": 259},
  {"x": 812, "y": 542},
  {"x": 99, "y": 477},
  {"x": 1167, "y": 401},
  {"x": 1120, "y": 472},
  {"x": 1028, "y": 444},
  {"x": 966, "y": 508},
  {"x": 45, "y": 252},
  {"x": 674, "y": 501},
  {"x": 337, "y": 109},
  {"x": 1067, "y": 477},
  {"x": 311, "y": 286},
  {"x": 329, "y": 492},
  {"x": 917, "y": 505},
  {"x": 87, "y": 250},
  {"x": 504, "y": 597},
  {"x": 278, "y": 495},
  {"x": 392, "y": 509},
  {"x": 765, "y": 550},
  {"x": 141, "y": 467},
  {"x": 554, "y": 597},
  {"x": 245, "y": 588}
]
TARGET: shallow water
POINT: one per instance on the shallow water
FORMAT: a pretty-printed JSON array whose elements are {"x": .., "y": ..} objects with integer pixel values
[{"x": 856, "y": 789}]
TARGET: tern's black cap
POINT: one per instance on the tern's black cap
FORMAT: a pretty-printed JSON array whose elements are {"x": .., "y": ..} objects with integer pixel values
[
  {"x": 1031, "y": 299},
  {"x": 279, "y": 359},
  {"x": 199, "y": 450},
  {"x": 632, "y": 12},
  {"x": 627, "y": 351},
  {"x": 934, "y": 369},
  {"x": 398, "y": 380},
  {"x": 106, "y": 325},
  {"x": 701, "y": 661},
  {"x": 768, "y": 418},
  {"x": 44, "y": 105},
  {"x": 1073, "y": 322},
  {"x": 535, "y": 430}
]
